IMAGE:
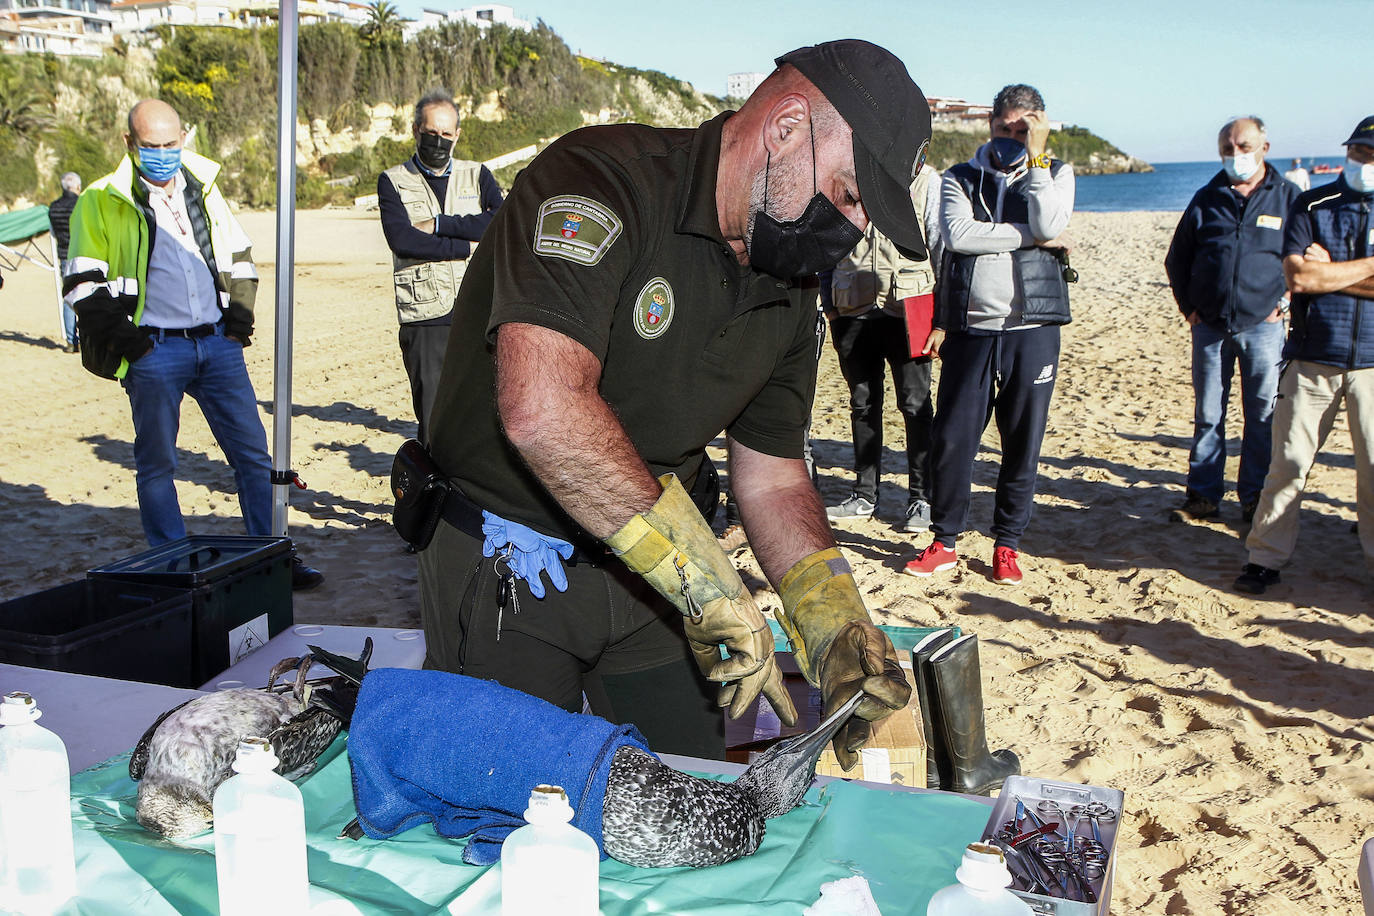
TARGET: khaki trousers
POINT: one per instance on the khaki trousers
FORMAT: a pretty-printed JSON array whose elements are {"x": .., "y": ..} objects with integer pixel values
[{"x": 1309, "y": 397}]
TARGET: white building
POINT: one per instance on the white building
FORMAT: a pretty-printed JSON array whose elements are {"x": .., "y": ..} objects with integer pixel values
[
  {"x": 79, "y": 27},
  {"x": 480, "y": 16},
  {"x": 137, "y": 15},
  {"x": 742, "y": 85}
]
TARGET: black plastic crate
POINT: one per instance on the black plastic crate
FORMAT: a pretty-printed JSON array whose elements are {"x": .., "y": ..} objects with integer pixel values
[
  {"x": 128, "y": 630},
  {"x": 240, "y": 589}
]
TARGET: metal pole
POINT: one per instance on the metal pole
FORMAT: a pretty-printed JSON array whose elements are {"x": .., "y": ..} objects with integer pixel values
[
  {"x": 57, "y": 279},
  {"x": 286, "y": 260}
]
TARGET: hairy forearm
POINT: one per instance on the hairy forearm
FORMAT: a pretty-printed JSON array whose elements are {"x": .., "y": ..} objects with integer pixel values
[
  {"x": 781, "y": 510},
  {"x": 1310, "y": 277},
  {"x": 554, "y": 415}
]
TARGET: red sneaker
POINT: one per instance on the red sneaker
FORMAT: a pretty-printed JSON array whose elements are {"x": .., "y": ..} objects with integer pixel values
[
  {"x": 935, "y": 558},
  {"x": 1005, "y": 571}
]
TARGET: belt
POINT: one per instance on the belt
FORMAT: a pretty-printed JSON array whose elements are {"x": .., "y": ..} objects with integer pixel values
[
  {"x": 200, "y": 330},
  {"x": 465, "y": 515}
]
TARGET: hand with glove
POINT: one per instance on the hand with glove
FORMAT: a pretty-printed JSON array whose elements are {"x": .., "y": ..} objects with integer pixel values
[
  {"x": 676, "y": 552},
  {"x": 527, "y": 552},
  {"x": 838, "y": 648}
]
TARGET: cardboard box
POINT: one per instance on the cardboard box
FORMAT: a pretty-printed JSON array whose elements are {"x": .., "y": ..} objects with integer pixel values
[{"x": 895, "y": 754}]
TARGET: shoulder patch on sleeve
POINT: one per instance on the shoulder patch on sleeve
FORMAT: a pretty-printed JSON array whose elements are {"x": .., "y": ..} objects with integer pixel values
[{"x": 575, "y": 229}]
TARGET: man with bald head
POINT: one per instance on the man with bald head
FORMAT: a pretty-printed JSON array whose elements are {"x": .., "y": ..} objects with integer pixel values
[
  {"x": 162, "y": 280},
  {"x": 638, "y": 293},
  {"x": 1225, "y": 267}
]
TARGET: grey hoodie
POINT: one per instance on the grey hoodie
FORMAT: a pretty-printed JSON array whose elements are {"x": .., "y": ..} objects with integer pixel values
[{"x": 995, "y": 298}]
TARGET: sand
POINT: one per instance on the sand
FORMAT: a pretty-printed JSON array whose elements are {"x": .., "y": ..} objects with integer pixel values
[{"x": 1238, "y": 728}]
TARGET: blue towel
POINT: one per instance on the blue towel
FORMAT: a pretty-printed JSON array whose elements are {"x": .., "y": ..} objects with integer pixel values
[{"x": 464, "y": 754}]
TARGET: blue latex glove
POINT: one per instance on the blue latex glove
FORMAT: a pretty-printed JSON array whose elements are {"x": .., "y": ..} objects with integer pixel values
[{"x": 531, "y": 553}]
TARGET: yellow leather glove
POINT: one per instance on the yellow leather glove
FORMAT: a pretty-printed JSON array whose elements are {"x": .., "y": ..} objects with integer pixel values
[
  {"x": 838, "y": 648},
  {"x": 676, "y": 552}
]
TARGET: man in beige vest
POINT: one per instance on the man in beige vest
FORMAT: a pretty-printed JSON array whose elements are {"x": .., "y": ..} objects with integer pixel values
[
  {"x": 864, "y": 299},
  {"x": 434, "y": 209}
]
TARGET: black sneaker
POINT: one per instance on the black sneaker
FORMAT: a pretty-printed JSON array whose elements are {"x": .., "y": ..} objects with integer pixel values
[
  {"x": 304, "y": 577},
  {"x": 1254, "y": 579},
  {"x": 1195, "y": 508},
  {"x": 1247, "y": 511}
]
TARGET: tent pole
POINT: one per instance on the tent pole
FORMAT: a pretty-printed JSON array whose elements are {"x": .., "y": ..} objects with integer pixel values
[
  {"x": 286, "y": 261},
  {"x": 57, "y": 281}
]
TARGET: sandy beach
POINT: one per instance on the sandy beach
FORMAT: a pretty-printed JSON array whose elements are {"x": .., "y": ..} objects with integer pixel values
[{"x": 1238, "y": 728}]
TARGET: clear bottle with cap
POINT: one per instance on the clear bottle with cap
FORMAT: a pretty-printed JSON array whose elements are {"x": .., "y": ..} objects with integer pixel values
[
  {"x": 549, "y": 866},
  {"x": 37, "y": 863},
  {"x": 259, "y": 837},
  {"x": 982, "y": 888}
]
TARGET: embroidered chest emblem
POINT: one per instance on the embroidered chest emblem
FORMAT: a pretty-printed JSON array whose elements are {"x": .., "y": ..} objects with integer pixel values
[{"x": 654, "y": 309}]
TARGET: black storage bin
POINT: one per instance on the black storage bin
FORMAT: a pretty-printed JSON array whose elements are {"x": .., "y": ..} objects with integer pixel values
[
  {"x": 240, "y": 591},
  {"x": 128, "y": 630}
]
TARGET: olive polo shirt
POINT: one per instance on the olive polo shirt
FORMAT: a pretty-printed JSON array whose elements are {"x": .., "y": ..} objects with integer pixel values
[{"x": 611, "y": 237}]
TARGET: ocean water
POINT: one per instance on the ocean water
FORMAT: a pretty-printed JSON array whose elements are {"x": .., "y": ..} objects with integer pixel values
[{"x": 1169, "y": 187}]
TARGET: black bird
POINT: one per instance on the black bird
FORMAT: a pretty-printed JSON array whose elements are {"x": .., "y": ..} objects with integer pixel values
[
  {"x": 185, "y": 755},
  {"x": 655, "y": 816}
]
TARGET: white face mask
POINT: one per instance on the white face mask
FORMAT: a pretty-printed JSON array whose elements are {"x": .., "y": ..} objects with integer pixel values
[
  {"x": 1359, "y": 175},
  {"x": 1241, "y": 167}
]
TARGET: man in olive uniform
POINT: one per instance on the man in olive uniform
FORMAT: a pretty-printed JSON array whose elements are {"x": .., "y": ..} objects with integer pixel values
[
  {"x": 632, "y": 298},
  {"x": 434, "y": 209}
]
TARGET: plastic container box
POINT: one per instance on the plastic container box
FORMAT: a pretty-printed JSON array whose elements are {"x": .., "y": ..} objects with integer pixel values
[
  {"x": 132, "y": 631},
  {"x": 1065, "y": 795},
  {"x": 240, "y": 589}
]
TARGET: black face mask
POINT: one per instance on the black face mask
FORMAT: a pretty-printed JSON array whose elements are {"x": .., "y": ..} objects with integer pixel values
[
  {"x": 809, "y": 244},
  {"x": 433, "y": 151}
]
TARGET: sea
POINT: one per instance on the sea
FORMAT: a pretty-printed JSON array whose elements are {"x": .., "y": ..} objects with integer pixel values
[{"x": 1169, "y": 187}]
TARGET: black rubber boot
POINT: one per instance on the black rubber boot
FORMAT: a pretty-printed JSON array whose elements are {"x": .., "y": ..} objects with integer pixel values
[
  {"x": 937, "y": 758},
  {"x": 958, "y": 715}
]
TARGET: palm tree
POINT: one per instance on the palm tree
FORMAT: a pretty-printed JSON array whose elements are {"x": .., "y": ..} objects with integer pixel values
[{"x": 383, "y": 23}]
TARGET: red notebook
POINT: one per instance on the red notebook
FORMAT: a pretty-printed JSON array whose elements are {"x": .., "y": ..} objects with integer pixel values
[{"x": 920, "y": 315}]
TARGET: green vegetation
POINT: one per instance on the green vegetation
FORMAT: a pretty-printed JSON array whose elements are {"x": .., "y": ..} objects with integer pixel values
[
  {"x": 60, "y": 114},
  {"x": 1072, "y": 144}
]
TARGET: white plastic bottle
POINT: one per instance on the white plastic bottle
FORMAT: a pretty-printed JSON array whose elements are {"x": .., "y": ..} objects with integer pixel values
[
  {"x": 37, "y": 864},
  {"x": 549, "y": 866},
  {"x": 982, "y": 888},
  {"x": 259, "y": 837}
]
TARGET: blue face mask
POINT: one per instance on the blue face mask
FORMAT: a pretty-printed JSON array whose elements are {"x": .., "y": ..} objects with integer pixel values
[
  {"x": 159, "y": 164},
  {"x": 1008, "y": 154}
]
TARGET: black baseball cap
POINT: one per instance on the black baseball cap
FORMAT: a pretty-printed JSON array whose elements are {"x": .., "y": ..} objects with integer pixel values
[
  {"x": 1363, "y": 135},
  {"x": 890, "y": 117}
]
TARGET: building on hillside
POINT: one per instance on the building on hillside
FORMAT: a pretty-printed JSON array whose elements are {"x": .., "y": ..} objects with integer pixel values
[
  {"x": 68, "y": 27},
  {"x": 138, "y": 15},
  {"x": 481, "y": 16},
  {"x": 948, "y": 113},
  {"x": 742, "y": 85}
]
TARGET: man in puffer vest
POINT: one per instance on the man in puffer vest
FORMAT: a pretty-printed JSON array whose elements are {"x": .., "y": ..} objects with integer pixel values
[
  {"x": 162, "y": 279},
  {"x": 434, "y": 209},
  {"x": 864, "y": 297},
  {"x": 1001, "y": 299}
]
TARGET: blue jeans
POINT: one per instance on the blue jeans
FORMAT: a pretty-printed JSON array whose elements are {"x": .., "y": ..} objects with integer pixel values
[
  {"x": 211, "y": 370},
  {"x": 68, "y": 315},
  {"x": 1216, "y": 351}
]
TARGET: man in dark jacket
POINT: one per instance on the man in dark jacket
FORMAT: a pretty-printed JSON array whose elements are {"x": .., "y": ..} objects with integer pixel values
[
  {"x": 1226, "y": 272},
  {"x": 1328, "y": 260},
  {"x": 59, "y": 218}
]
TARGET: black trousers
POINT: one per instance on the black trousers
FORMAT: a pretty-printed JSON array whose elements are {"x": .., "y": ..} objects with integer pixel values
[
  {"x": 864, "y": 347},
  {"x": 609, "y": 637},
  {"x": 1009, "y": 376},
  {"x": 422, "y": 353}
]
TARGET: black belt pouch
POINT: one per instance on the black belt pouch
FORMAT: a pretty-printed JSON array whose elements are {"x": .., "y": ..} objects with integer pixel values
[{"x": 420, "y": 489}]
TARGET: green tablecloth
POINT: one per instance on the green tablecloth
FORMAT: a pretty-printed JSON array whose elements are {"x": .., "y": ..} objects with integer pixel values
[{"x": 906, "y": 844}]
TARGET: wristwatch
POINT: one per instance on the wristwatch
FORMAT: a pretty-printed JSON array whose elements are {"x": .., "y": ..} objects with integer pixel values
[{"x": 1040, "y": 162}]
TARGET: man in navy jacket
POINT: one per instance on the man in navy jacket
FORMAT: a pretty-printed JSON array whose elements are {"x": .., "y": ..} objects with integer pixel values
[
  {"x": 1226, "y": 271},
  {"x": 1328, "y": 259}
]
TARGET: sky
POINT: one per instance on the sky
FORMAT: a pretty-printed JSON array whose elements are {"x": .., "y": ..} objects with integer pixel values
[{"x": 1155, "y": 77}]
